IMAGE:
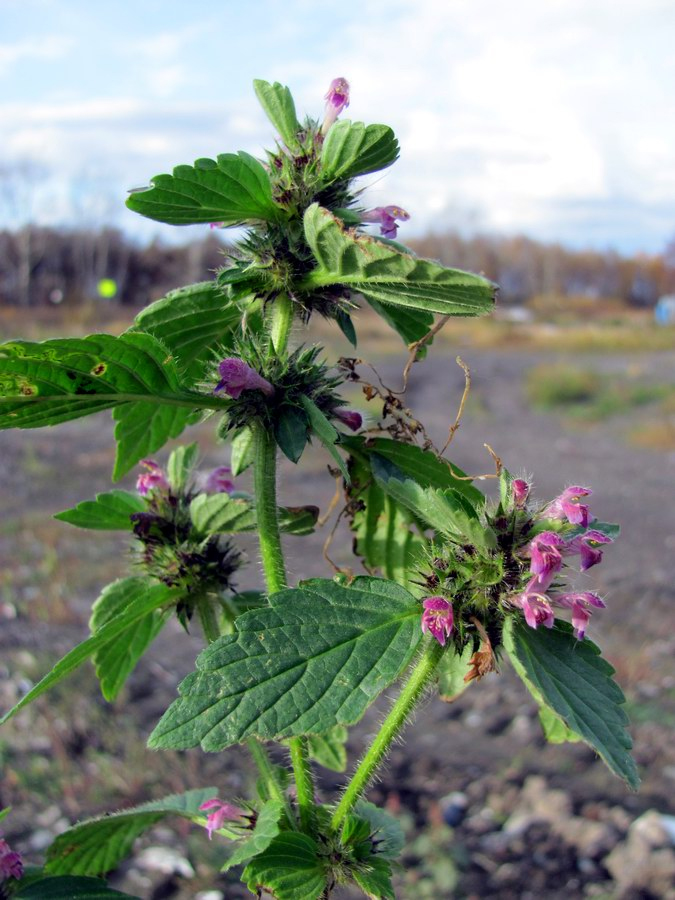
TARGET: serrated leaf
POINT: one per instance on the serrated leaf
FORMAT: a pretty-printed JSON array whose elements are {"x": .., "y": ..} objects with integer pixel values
[
  {"x": 180, "y": 465},
  {"x": 451, "y": 671},
  {"x": 422, "y": 465},
  {"x": 277, "y": 101},
  {"x": 233, "y": 189},
  {"x": 155, "y": 598},
  {"x": 290, "y": 432},
  {"x": 375, "y": 880},
  {"x": 447, "y": 512},
  {"x": 315, "y": 658},
  {"x": 572, "y": 678},
  {"x": 68, "y": 888},
  {"x": 221, "y": 514},
  {"x": 63, "y": 379},
  {"x": 191, "y": 322},
  {"x": 143, "y": 428},
  {"x": 382, "y": 273},
  {"x": 97, "y": 846},
  {"x": 411, "y": 324},
  {"x": 115, "y": 661},
  {"x": 243, "y": 451},
  {"x": 326, "y": 433},
  {"x": 386, "y": 829},
  {"x": 352, "y": 148},
  {"x": 386, "y": 536},
  {"x": 555, "y": 730},
  {"x": 266, "y": 829},
  {"x": 110, "y": 511},
  {"x": 329, "y": 749},
  {"x": 289, "y": 868}
]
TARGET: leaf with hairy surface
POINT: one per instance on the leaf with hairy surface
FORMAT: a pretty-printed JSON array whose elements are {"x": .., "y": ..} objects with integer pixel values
[
  {"x": 315, "y": 658},
  {"x": 232, "y": 189},
  {"x": 277, "y": 101},
  {"x": 110, "y": 511},
  {"x": 290, "y": 869},
  {"x": 352, "y": 148},
  {"x": 265, "y": 830},
  {"x": 380, "y": 272},
  {"x": 67, "y": 888}
]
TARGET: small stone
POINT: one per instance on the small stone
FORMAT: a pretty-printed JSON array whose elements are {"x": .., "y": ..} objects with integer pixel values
[
  {"x": 164, "y": 860},
  {"x": 210, "y": 895},
  {"x": 453, "y": 808}
]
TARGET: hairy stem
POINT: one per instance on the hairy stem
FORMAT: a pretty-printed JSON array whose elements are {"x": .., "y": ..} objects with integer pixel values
[
  {"x": 208, "y": 618},
  {"x": 392, "y": 726},
  {"x": 271, "y": 554}
]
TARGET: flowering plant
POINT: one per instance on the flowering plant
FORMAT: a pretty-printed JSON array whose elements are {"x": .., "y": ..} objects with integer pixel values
[{"x": 456, "y": 582}]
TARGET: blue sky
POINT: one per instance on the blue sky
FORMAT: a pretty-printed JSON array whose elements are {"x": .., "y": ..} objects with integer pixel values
[{"x": 556, "y": 118}]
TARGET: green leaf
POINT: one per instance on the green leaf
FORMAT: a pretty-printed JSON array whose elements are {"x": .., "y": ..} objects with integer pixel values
[
  {"x": 346, "y": 326},
  {"x": 221, "y": 514},
  {"x": 68, "y": 888},
  {"x": 191, "y": 322},
  {"x": 385, "y": 828},
  {"x": 143, "y": 428},
  {"x": 232, "y": 190},
  {"x": 326, "y": 433},
  {"x": 555, "y": 730},
  {"x": 277, "y": 101},
  {"x": 289, "y": 868},
  {"x": 5, "y": 812},
  {"x": 352, "y": 148},
  {"x": 243, "y": 447},
  {"x": 411, "y": 324},
  {"x": 447, "y": 512},
  {"x": 375, "y": 879},
  {"x": 98, "y": 845},
  {"x": 451, "y": 671},
  {"x": 423, "y": 466},
  {"x": 329, "y": 749},
  {"x": 110, "y": 511},
  {"x": 315, "y": 658},
  {"x": 382, "y": 273},
  {"x": 573, "y": 679},
  {"x": 386, "y": 534},
  {"x": 180, "y": 465},
  {"x": 298, "y": 520},
  {"x": 266, "y": 829},
  {"x": 290, "y": 432},
  {"x": 155, "y": 598},
  {"x": 116, "y": 660},
  {"x": 63, "y": 379}
]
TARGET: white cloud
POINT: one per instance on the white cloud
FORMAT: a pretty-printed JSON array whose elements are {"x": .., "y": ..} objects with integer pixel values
[{"x": 50, "y": 47}]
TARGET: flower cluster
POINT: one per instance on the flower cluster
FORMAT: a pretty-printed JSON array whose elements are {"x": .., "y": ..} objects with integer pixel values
[{"x": 11, "y": 864}]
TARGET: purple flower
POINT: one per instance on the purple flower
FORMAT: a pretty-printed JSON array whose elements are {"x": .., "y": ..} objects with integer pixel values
[
  {"x": 535, "y": 605},
  {"x": 152, "y": 480},
  {"x": 219, "y": 482},
  {"x": 521, "y": 490},
  {"x": 437, "y": 618},
  {"x": 337, "y": 99},
  {"x": 350, "y": 418},
  {"x": 11, "y": 864},
  {"x": 567, "y": 506},
  {"x": 216, "y": 225},
  {"x": 545, "y": 554},
  {"x": 580, "y": 603},
  {"x": 222, "y": 812},
  {"x": 386, "y": 216},
  {"x": 587, "y": 545},
  {"x": 236, "y": 376}
]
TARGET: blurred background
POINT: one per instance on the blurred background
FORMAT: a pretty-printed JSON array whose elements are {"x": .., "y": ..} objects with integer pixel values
[{"x": 537, "y": 148}]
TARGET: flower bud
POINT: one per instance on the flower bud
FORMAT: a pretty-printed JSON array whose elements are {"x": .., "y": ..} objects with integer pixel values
[
  {"x": 337, "y": 99},
  {"x": 349, "y": 417},
  {"x": 237, "y": 376},
  {"x": 153, "y": 480}
]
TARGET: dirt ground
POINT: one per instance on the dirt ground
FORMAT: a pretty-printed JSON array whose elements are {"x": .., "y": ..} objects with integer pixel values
[{"x": 490, "y": 809}]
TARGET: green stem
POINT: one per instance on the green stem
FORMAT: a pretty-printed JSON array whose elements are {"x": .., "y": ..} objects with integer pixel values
[
  {"x": 391, "y": 727},
  {"x": 208, "y": 619},
  {"x": 271, "y": 554},
  {"x": 269, "y": 776}
]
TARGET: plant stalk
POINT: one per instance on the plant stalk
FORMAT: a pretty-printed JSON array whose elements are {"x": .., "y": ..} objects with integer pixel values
[
  {"x": 392, "y": 726},
  {"x": 271, "y": 554}
]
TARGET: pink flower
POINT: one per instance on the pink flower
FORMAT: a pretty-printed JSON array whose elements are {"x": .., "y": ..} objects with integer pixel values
[
  {"x": 580, "y": 603},
  {"x": 153, "y": 480},
  {"x": 11, "y": 864},
  {"x": 567, "y": 506},
  {"x": 544, "y": 551},
  {"x": 236, "y": 376},
  {"x": 521, "y": 490},
  {"x": 535, "y": 605},
  {"x": 350, "y": 418},
  {"x": 216, "y": 225},
  {"x": 587, "y": 545},
  {"x": 337, "y": 99},
  {"x": 222, "y": 812},
  {"x": 437, "y": 618},
  {"x": 386, "y": 216},
  {"x": 219, "y": 482}
]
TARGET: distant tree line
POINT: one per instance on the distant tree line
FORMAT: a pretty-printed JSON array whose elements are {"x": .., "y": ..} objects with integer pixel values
[{"x": 43, "y": 266}]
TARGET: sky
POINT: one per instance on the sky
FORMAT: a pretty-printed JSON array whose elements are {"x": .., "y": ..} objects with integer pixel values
[{"x": 552, "y": 118}]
